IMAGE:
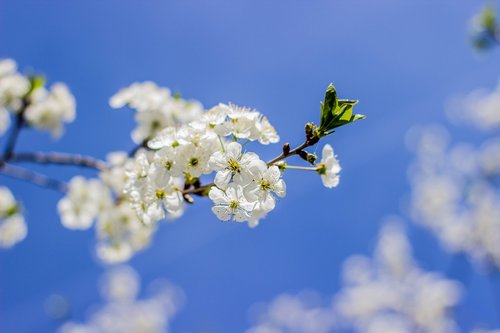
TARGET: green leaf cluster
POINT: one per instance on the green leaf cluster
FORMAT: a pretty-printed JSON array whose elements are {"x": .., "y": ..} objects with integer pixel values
[{"x": 336, "y": 112}]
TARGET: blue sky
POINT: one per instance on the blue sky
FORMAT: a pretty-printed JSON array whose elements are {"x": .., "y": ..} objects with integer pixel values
[{"x": 402, "y": 60}]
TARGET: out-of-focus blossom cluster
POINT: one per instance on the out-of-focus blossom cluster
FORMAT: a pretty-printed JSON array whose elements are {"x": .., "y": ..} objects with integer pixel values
[
  {"x": 301, "y": 313},
  {"x": 12, "y": 226},
  {"x": 392, "y": 294},
  {"x": 455, "y": 193},
  {"x": 124, "y": 312},
  {"x": 41, "y": 108},
  {"x": 387, "y": 294},
  {"x": 480, "y": 108}
]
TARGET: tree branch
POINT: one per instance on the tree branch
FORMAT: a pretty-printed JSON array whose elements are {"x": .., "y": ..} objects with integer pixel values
[
  {"x": 14, "y": 134},
  {"x": 32, "y": 177},
  {"x": 58, "y": 158}
]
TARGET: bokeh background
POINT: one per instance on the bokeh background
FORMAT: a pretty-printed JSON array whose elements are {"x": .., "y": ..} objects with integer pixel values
[{"x": 402, "y": 59}]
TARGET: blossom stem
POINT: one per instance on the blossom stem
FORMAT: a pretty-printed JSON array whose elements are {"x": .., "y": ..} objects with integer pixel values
[
  {"x": 58, "y": 158},
  {"x": 32, "y": 177},
  {"x": 301, "y": 168},
  {"x": 221, "y": 143}
]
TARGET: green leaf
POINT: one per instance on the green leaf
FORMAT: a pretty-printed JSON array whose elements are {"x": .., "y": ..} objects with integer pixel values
[
  {"x": 36, "y": 82},
  {"x": 329, "y": 105},
  {"x": 336, "y": 112}
]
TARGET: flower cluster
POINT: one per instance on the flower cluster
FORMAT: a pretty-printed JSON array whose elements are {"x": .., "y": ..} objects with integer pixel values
[
  {"x": 244, "y": 186},
  {"x": 26, "y": 97},
  {"x": 155, "y": 182},
  {"x": 156, "y": 108},
  {"x": 12, "y": 226},
  {"x": 124, "y": 313}
]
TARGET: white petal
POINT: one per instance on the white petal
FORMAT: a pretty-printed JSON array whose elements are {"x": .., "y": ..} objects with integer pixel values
[
  {"x": 217, "y": 196},
  {"x": 222, "y": 212},
  {"x": 222, "y": 178}
]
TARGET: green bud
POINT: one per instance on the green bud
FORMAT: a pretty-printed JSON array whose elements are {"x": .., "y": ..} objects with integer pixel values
[{"x": 311, "y": 158}]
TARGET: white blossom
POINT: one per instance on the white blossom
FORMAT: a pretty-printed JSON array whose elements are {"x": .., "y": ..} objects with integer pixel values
[
  {"x": 156, "y": 109},
  {"x": 329, "y": 168},
  {"x": 232, "y": 164},
  {"x": 231, "y": 203}
]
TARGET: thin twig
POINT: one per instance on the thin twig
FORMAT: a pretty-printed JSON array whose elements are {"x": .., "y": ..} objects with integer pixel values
[
  {"x": 59, "y": 158},
  {"x": 199, "y": 190},
  {"x": 32, "y": 177}
]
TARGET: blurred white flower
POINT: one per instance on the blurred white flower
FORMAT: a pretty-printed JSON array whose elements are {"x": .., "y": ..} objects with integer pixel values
[
  {"x": 123, "y": 312},
  {"x": 49, "y": 110},
  {"x": 13, "y": 228},
  {"x": 82, "y": 204}
]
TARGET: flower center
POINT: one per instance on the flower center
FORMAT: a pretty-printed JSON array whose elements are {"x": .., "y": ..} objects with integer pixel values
[
  {"x": 234, "y": 166},
  {"x": 168, "y": 165},
  {"x": 265, "y": 185},
  {"x": 234, "y": 204},
  {"x": 160, "y": 194},
  {"x": 194, "y": 162}
]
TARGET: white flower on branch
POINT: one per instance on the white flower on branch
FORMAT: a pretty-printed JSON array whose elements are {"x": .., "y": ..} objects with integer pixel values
[
  {"x": 232, "y": 164},
  {"x": 231, "y": 203},
  {"x": 329, "y": 167},
  {"x": 13, "y": 228}
]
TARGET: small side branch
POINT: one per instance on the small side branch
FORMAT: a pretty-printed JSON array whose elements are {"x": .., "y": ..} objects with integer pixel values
[{"x": 32, "y": 177}]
